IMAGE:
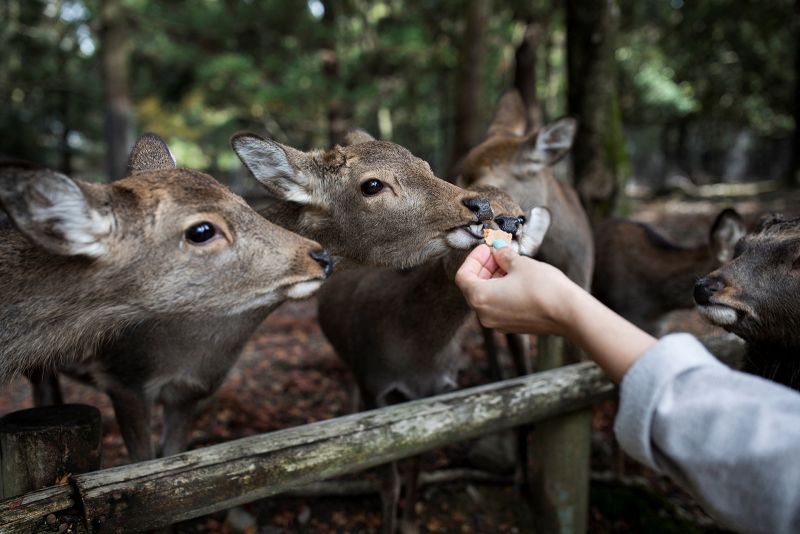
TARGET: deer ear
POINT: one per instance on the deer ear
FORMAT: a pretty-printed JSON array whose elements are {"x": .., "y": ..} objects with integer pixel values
[
  {"x": 150, "y": 153},
  {"x": 357, "y": 136},
  {"x": 510, "y": 117},
  {"x": 726, "y": 231},
  {"x": 547, "y": 146},
  {"x": 53, "y": 212},
  {"x": 535, "y": 230},
  {"x": 555, "y": 139},
  {"x": 276, "y": 166}
]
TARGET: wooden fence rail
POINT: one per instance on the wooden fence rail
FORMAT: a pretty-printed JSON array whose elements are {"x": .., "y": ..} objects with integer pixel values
[{"x": 160, "y": 492}]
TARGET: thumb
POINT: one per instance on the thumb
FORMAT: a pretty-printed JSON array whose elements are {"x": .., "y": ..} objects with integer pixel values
[{"x": 505, "y": 257}]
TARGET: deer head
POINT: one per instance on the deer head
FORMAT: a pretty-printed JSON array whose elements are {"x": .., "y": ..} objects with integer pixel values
[{"x": 370, "y": 201}]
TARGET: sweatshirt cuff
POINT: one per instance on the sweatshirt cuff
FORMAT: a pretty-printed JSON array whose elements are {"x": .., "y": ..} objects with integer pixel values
[{"x": 644, "y": 384}]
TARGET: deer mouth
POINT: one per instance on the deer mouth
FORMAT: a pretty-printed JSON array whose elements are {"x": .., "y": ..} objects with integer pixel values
[{"x": 475, "y": 230}]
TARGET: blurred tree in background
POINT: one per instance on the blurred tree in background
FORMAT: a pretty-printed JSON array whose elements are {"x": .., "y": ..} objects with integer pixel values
[{"x": 705, "y": 90}]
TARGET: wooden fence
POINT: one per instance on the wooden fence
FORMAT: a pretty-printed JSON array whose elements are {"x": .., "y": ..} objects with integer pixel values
[{"x": 157, "y": 493}]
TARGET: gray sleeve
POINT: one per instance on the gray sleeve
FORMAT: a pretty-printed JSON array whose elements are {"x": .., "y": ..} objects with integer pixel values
[{"x": 731, "y": 439}]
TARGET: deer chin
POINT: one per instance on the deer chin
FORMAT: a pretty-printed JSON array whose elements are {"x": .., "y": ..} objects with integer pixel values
[
  {"x": 719, "y": 314},
  {"x": 465, "y": 237},
  {"x": 303, "y": 290}
]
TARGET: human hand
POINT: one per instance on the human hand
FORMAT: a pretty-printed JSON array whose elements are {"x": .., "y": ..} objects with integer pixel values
[{"x": 513, "y": 293}]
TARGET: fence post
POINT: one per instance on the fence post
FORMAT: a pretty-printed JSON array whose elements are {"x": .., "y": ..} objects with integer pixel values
[
  {"x": 561, "y": 450},
  {"x": 40, "y": 447}
]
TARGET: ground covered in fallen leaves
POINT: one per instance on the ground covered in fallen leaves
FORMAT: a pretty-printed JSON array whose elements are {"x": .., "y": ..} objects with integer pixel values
[{"x": 288, "y": 375}]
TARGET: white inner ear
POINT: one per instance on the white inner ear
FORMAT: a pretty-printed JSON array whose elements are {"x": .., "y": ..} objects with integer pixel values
[
  {"x": 724, "y": 240},
  {"x": 534, "y": 232},
  {"x": 60, "y": 209},
  {"x": 269, "y": 165},
  {"x": 554, "y": 140}
]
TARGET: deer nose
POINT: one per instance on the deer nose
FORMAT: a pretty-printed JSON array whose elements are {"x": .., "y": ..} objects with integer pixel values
[
  {"x": 705, "y": 288},
  {"x": 508, "y": 224},
  {"x": 323, "y": 258},
  {"x": 480, "y": 207}
]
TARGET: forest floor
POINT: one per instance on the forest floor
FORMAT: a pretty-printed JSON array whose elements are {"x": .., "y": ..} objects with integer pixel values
[{"x": 289, "y": 375}]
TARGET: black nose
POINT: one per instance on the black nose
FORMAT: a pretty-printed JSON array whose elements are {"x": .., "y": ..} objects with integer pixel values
[
  {"x": 705, "y": 288},
  {"x": 481, "y": 208},
  {"x": 323, "y": 258},
  {"x": 508, "y": 224}
]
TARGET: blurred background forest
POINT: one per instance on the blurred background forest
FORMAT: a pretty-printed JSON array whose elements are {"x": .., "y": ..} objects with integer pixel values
[{"x": 668, "y": 92}]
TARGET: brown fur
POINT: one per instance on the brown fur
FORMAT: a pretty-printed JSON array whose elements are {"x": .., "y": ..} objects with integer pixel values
[
  {"x": 642, "y": 276},
  {"x": 86, "y": 261},
  {"x": 755, "y": 297}
]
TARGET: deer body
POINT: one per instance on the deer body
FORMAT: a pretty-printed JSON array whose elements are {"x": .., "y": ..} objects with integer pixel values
[
  {"x": 399, "y": 331},
  {"x": 754, "y": 296},
  {"x": 408, "y": 217},
  {"x": 642, "y": 275},
  {"x": 87, "y": 261}
]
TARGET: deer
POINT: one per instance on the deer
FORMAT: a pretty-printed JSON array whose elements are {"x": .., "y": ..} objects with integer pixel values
[
  {"x": 399, "y": 331},
  {"x": 370, "y": 201},
  {"x": 754, "y": 295},
  {"x": 80, "y": 263},
  {"x": 642, "y": 275}
]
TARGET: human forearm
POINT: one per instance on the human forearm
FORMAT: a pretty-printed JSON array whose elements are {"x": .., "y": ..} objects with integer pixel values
[{"x": 608, "y": 339}]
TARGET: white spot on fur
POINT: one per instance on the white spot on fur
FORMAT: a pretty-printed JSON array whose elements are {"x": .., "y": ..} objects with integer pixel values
[
  {"x": 303, "y": 290},
  {"x": 719, "y": 315}
]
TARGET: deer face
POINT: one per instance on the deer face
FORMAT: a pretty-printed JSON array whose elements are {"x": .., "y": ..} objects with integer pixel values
[
  {"x": 371, "y": 201},
  {"x": 755, "y": 294},
  {"x": 204, "y": 247}
]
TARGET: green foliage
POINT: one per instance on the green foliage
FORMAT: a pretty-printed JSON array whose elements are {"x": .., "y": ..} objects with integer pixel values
[{"x": 201, "y": 70}]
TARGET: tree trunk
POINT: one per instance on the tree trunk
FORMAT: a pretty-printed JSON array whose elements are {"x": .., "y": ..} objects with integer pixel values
[
  {"x": 337, "y": 108},
  {"x": 794, "y": 166},
  {"x": 41, "y": 447},
  {"x": 598, "y": 154},
  {"x": 525, "y": 63},
  {"x": 119, "y": 113},
  {"x": 470, "y": 78}
]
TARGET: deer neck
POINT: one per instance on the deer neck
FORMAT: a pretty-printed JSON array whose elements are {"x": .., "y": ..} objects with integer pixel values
[{"x": 774, "y": 362}]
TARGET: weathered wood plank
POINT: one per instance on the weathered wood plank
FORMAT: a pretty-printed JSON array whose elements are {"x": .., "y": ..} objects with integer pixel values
[
  {"x": 28, "y": 513},
  {"x": 157, "y": 493},
  {"x": 160, "y": 492}
]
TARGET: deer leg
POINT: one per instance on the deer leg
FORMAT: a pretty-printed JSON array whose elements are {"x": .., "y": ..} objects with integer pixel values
[
  {"x": 518, "y": 347},
  {"x": 180, "y": 409},
  {"x": 408, "y": 524},
  {"x": 495, "y": 369},
  {"x": 132, "y": 409},
  {"x": 390, "y": 495},
  {"x": 46, "y": 389}
]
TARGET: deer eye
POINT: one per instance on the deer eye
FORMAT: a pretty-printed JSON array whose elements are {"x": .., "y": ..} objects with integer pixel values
[
  {"x": 200, "y": 233},
  {"x": 370, "y": 187}
]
